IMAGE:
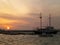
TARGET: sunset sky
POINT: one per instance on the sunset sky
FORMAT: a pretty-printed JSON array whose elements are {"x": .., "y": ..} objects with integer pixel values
[{"x": 24, "y": 14}]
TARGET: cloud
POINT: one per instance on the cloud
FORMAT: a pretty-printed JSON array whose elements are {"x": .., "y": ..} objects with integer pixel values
[
  {"x": 22, "y": 22},
  {"x": 13, "y": 17},
  {"x": 16, "y": 18},
  {"x": 24, "y": 14}
]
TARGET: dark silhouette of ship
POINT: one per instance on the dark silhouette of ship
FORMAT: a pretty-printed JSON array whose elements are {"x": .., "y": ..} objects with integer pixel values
[{"x": 47, "y": 31}]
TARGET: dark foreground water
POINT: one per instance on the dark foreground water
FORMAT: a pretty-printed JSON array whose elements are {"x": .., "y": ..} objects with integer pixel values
[{"x": 29, "y": 40}]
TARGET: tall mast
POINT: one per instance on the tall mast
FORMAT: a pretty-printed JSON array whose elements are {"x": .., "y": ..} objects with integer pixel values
[
  {"x": 50, "y": 20},
  {"x": 40, "y": 21}
]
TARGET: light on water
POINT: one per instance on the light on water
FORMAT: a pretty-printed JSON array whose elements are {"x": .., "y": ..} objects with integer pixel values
[{"x": 28, "y": 40}]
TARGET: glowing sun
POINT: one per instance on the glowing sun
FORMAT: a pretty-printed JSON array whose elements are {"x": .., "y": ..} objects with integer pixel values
[{"x": 7, "y": 27}]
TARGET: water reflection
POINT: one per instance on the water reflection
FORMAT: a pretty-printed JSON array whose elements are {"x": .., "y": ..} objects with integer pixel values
[{"x": 28, "y": 40}]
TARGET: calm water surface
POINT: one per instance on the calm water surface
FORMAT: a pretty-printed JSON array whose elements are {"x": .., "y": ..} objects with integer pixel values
[{"x": 29, "y": 40}]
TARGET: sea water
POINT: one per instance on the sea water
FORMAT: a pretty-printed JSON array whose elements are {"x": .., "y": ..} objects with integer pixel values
[{"x": 29, "y": 40}]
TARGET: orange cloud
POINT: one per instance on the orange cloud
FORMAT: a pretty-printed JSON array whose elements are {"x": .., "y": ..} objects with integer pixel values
[{"x": 6, "y": 21}]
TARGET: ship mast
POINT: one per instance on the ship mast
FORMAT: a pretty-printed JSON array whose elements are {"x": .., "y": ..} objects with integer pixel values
[
  {"x": 49, "y": 20},
  {"x": 40, "y": 21}
]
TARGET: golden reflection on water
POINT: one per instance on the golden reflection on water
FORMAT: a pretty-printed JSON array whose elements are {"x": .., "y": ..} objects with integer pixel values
[{"x": 28, "y": 40}]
